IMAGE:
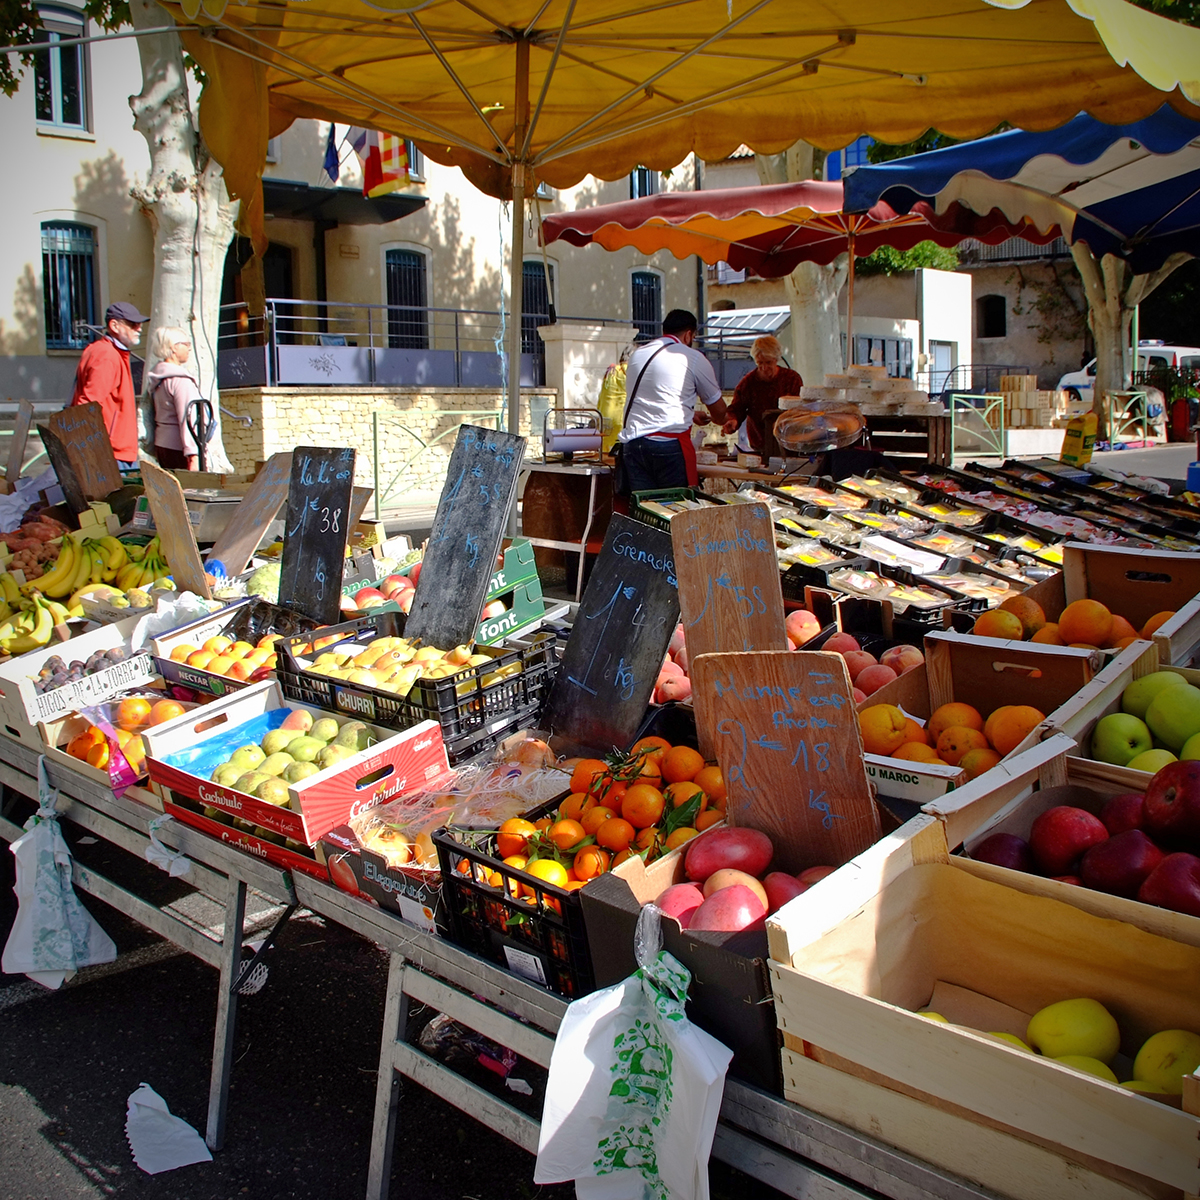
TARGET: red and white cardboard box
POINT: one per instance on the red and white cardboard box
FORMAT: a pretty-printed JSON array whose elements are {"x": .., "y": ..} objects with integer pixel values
[{"x": 396, "y": 764}]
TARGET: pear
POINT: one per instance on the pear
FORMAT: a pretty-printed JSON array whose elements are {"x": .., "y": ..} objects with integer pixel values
[
  {"x": 273, "y": 791},
  {"x": 268, "y": 836},
  {"x": 247, "y": 758},
  {"x": 326, "y": 729},
  {"x": 300, "y": 770},
  {"x": 331, "y": 755},
  {"x": 363, "y": 678},
  {"x": 298, "y": 718},
  {"x": 249, "y": 781},
  {"x": 356, "y": 735},
  {"x": 226, "y": 775},
  {"x": 277, "y": 763},
  {"x": 305, "y": 748},
  {"x": 276, "y": 740}
]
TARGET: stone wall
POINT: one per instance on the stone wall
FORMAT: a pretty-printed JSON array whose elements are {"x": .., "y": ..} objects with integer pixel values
[{"x": 409, "y": 418}]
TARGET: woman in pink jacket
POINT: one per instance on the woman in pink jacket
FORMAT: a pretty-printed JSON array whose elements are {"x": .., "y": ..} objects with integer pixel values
[{"x": 173, "y": 389}]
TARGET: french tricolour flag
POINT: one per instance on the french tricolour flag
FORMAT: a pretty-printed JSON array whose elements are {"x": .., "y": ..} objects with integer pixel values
[{"x": 384, "y": 159}]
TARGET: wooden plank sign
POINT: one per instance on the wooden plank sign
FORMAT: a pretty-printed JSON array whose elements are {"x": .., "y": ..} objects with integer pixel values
[
  {"x": 64, "y": 470},
  {"x": 787, "y": 738},
  {"x": 81, "y": 430},
  {"x": 468, "y": 528},
  {"x": 20, "y": 437},
  {"x": 315, "y": 531},
  {"x": 253, "y": 516},
  {"x": 618, "y": 640},
  {"x": 174, "y": 526},
  {"x": 729, "y": 591}
]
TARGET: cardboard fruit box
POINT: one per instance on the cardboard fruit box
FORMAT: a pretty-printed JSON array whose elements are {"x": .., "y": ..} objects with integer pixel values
[
  {"x": 181, "y": 754},
  {"x": 905, "y": 926},
  {"x": 22, "y": 706}
]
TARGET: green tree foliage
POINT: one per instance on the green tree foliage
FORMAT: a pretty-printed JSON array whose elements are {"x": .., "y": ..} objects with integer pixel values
[
  {"x": 888, "y": 261},
  {"x": 1172, "y": 311},
  {"x": 20, "y": 25}
]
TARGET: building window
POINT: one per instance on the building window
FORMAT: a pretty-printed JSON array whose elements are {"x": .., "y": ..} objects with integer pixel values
[
  {"x": 60, "y": 73},
  {"x": 416, "y": 161},
  {"x": 896, "y": 354},
  {"x": 535, "y": 306},
  {"x": 643, "y": 182},
  {"x": 407, "y": 297},
  {"x": 646, "y": 289},
  {"x": 68, "y": 283},
  {"x": 854, "y": 155},
  {"x": 272, "y": 150},
  {"x": 991, "y": 317}
]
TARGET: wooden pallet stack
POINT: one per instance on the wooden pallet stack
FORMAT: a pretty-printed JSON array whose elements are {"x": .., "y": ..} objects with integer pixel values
[{"x": 1025, "y": 405}]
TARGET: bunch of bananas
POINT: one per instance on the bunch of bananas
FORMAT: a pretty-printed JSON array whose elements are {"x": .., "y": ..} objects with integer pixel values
[
  {"x": 32, "y": 626},
  {"x": 145, "y": 569},
  {"x": 92, "y": 560}
]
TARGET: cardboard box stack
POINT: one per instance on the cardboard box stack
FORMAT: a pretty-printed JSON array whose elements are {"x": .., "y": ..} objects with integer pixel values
[{"x": 1025, "y": 405}]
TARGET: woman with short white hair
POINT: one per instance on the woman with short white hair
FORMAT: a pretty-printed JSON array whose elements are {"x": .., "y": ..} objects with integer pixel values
[
  {"x": 173, "y": 389},
  {"x": 759, "y": 390}
]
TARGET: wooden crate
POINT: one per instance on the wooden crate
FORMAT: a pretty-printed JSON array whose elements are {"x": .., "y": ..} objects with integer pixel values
[{"x": 904, "y": 924}]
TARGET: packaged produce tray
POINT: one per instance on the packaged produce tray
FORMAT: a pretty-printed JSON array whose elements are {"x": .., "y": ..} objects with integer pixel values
[{"x": 665, "y": 498}]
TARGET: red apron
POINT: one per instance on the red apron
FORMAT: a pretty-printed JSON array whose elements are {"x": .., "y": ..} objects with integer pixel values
[{"x": 689, "y": 454}]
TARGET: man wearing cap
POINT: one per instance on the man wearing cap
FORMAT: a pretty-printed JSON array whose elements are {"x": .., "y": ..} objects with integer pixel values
[{"x": 103, "y": 377}]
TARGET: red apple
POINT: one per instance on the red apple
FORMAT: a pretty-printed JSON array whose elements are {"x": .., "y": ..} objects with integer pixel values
[
  {"x": 1123, "y": 812},
  {"x": 1121, "y": 864},
  {"x": 1060, "y": 835},
  {"x": 1005, "y": 850},
  {"x": 680, "y": 900},
  {"x": 414, "y": 572},
  {"x": 841, "y": 643},
  {"x": 801, "y": 626},
  {"x": 781, "y": 888},
  {"x": 405, "y": 600},
  {"x": 729, "y": 910},
  {"x": 1172, "y": 811},
  {"x": 1174, "y": 884},
  {"x": 857, "y": 661},
  {"x": 812, "y": 875},
  {"x": 1074, "y": 880},
  {"x": 495, "y": 609},
  {"x": 347, "y": 604},
  {"x": 902, "y": 658}
]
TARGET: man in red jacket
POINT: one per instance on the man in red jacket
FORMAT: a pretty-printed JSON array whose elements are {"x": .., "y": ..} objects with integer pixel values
[{"x": 103, "y": 378}]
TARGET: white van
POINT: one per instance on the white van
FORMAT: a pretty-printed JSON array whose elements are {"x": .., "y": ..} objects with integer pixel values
[{"x": 1151, "y": 356}]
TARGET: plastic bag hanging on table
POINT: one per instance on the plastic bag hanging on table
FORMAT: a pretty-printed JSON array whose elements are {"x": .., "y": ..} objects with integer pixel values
[
  {"x": 53, "y": 935},
  {"x": 612, "y": 404},
  {"x": 635, "y": 1088}
]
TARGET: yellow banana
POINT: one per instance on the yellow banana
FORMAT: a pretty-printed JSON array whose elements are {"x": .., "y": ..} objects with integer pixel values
[
  {"x": 98, "y": 563},
  {"x": 127, "y": 574},
  {"x": 38, "y": 636},
  {"x": 83, "y": 569},
  {"x": 115, "y": 556},
  {"x": 12, "y": 593},
  {"x": 59, "y": 611},
  {"x": 57, "y": 581},
  {"x": 5, "y": 611}
]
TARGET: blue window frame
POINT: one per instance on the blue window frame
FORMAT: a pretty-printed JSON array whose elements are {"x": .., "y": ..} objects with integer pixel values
[{"x": 68, "y": 283}]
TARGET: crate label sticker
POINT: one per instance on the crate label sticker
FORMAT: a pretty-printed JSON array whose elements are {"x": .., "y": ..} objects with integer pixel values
[
  {"x": 355, "y": 702},
  {"x": 93, "y": 688},
  {"x": 907, "y": 785},
  {"x": 418, "y": 914},
  {"x": 528, "y": 966}
]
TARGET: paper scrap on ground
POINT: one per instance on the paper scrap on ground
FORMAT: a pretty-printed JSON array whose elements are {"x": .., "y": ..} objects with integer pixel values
[{"x": 159, "y": 1141}]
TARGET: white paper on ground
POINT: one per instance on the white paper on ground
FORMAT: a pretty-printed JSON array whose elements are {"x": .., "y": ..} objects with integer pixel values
[{"x": 159, "y": 1141}]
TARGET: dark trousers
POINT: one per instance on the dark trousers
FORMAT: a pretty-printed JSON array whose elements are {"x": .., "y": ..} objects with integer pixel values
[
  {"x": 169, "y": 459},
  {"x": 650, "y": 465}
]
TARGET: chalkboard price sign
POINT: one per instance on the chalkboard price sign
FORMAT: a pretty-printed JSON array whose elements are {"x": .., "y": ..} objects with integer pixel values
[
  {"x": 618, "y": 640},
  {"x": 472, "y": 512},
  {"x": 315, "y": 531},
  {"x": 81, "y": 432}
]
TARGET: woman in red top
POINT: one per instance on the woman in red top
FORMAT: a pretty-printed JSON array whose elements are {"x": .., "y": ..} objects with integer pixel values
[{"x": 760, "y": 390}]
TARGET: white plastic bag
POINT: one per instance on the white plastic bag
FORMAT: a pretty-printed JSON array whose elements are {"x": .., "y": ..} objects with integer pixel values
[
  {"x": 53, "y": 935},
  {"x": 634, "y": 1089}
]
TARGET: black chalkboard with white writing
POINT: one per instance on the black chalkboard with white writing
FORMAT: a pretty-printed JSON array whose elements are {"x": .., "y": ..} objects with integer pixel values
[
  {"x": 460, "y": 557},
  {"x": 618, "y": 639},
  {"x": 315, "y": 531}
]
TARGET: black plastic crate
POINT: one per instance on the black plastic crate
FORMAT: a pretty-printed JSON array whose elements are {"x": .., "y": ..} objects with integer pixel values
[
  {"x": 472, "y": 714},
  {"x": 674, "y": 721},
  {"x": 541, "y": 937},
  {"x": 664, "y": 496}
]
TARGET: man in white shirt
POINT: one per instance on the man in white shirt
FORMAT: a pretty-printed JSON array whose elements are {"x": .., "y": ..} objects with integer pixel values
[{"x": 663, "y": 380}]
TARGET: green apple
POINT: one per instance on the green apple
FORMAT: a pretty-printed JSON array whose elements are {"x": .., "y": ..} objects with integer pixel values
[
  {"x": 1174, "y": 716},
  {"x": 1166, "y": 1058},
  {"x": 1152, "y": 761},
  {"x": 1136, "y": 698},
  {"x": 1191, "y": 748},
  {"x": 1119, "y": 737},
  {"x": 1074, "y": 1027},
  {"x": 326, "y": 729},
  {"x": 1088, "y": 1065}
]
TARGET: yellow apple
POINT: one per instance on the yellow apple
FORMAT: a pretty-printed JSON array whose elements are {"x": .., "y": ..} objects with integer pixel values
[
  {"x": 1166, "y": 1058},
  {"x": 1075, "y": 1027}
]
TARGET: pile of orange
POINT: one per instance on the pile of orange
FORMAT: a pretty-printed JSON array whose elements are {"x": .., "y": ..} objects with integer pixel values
[
  {"x": 224, "y": 656},
  {"x": 1087, "y": 624},
  {"x": 132, "y": 714},
  {"x": 644, "y": 803},
  {"x": 956, "y": 734}
]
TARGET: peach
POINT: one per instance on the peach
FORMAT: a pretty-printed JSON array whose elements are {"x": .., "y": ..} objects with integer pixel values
[
  {"x": 181, "y": 652},
  {"x": 902, "y": 658},
  {"x": 670, "y": 668},
  {"x": 217, "y": 645},
  {"x": 857, "y": 661},
  {"x": 840, "y": 643},
  {"x": 200, "y": 659},
  {"x": 858, "y": 694},
  {"x": 873, "y": 678},
  {"x": 677, "y": 641},
  {"x": 681, "y": 659},
  {"x": 675, "y": 687},
  {"x": 801, "y": 626},
  {"x": 241, "y": 668}
]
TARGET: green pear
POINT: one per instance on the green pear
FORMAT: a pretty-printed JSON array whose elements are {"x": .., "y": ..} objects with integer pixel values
[
  {"x": 305, "y": 748},
  {"x": 226, "y": 775},
  {"x": 268, "y": 836},
  {"x": 298, "y": 720},
  {"x": 332, "y": 755},
  {"x": 244, "y": 825},
  {"x": 249, "y": 781},
  {"x": 273, "y": 791},
  {"x": 326, "y": 729},
  {"x": 276, "y": 740},
  {"x": 247, "y": 758},
  {"x": 356, "y": 735},
  {"x": 300, "y": 770},
  {"x": 276, "y": 764}
]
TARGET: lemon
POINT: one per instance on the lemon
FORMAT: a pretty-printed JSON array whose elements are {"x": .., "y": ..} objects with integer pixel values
[{"x": 1075, "y": 1027}]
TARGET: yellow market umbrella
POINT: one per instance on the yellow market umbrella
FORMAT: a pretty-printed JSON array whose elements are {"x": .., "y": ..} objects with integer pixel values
[{"x": 551, "y": 90}]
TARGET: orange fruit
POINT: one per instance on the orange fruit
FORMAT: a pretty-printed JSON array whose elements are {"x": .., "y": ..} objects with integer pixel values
[
  {"x": 1010, "y": 726},
  {"x": 584, "y": 775},
  {"x": 646, "y": 838},
  {"x": 1048, "y": 635},
  {"x": 565, "y": 834},
  {"x": 1029, "y": 612},
  {"x": 590, "y": 862},
  {"x": 650, "y": 745},
  {"x": 1083, "y": 646},
  {"x": 643, "y": 805},
  {"x": 1086, "y": 621},
  {"x": 1155, "y": 621},
  {"x": 1121, "y": 629},
  {"x": 997, "y": 623},
  {"x": 513, "y": 836},
  {"x": 710, "y": 816},
  {"x": 648, "y": 771},
  {"x": 573, "y": 885},
  {"x": 713, "y": 782},
  {"x": 917, "y": 752},
  {"x": 133, "y": 712},
  {"x": 677, "y": 837},
  {"x": 954, "y": 713},
  {"x": 135, "y": 751},
  {"x": 615, "y": 834},
  {"x": 217, "y": 645},
  {"x": 548, "y": 870},
  {"x": 595, "y": 817},
  {"x": 575, "y": 805},
  {"x": 543, "y": 823},
  {"x": 610, "y": 792},
  {"x": 1126, "y": 642},
  {"x": 97, "y": 756},
  {"x": 883, "y": 728},
  {"x": 915, "y": 733},
  {"x": 180, "y": 653},
  {"x": 513, "y": 887},
  {"x": 681, "y": 764},
  {"x": 681, "y": 793},
  {"x": 957, "y": 741},
  {"x": 975, "y": 762},
  {"x": 166, "y": 710},
  {"x": 623, "y": 856}
]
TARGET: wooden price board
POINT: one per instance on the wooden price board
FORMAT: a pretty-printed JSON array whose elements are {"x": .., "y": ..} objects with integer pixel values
[
  {"x": 20, "y": 436},
  {"x": 787, "y": 738},
  {"x": 174, "y": 527},
  {"x": 315, "y": 531},
  {"x": 468, "y": 528},
  {"x": 254, "y": 513},
  {"x": 620, "y": 634},
  {"x": 82, "y": 439},
  {"x": 729, "y": 590}
]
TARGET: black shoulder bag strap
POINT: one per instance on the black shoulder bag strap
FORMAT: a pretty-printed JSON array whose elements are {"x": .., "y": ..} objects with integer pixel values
[{"x": 638, "y": 383}]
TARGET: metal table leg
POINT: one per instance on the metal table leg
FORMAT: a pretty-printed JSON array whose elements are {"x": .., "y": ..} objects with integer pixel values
[
  {"x": 222, "y": 1066},
  {"x": 387, "y": 1087}
]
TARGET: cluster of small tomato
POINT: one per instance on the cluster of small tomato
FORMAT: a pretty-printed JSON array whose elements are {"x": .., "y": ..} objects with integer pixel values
[{"x": 646, "y": 802}]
